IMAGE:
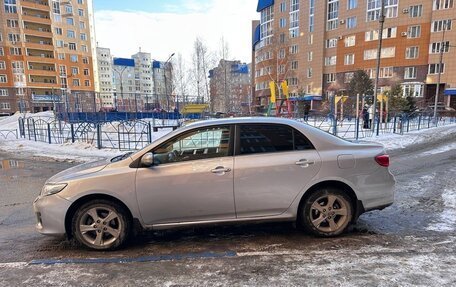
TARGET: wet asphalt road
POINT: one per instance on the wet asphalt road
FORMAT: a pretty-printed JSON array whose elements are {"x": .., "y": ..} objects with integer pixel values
[{"x": 412, "y": 242}]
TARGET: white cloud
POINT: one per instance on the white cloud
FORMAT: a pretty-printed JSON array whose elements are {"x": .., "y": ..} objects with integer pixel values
[{"x": 164, "y": 33}]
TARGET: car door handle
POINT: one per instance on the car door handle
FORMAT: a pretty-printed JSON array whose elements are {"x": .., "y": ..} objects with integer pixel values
[
  {"x": 304, "y": 162},
  {"x": 220, "y": 169}
]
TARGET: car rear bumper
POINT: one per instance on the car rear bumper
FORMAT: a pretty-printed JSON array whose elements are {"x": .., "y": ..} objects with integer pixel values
[
  {"x": 379, "y": 193},
  {"x": 50, "y": 213}
]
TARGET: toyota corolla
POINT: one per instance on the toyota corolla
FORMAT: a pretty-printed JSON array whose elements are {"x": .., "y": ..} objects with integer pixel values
[{"x": 219, "y": 171}]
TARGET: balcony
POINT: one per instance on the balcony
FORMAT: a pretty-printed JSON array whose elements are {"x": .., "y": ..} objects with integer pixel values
[
  {"x": 43, "y": 81},
  {"x": 38, "y": 32},
  {"x": 35, "y": 5},
  {"x": 41, "y": 71},
  {"x": 41, "y": 58},
  {"x": 46, "y": 46},
  {"x": 36, "y": 18}
]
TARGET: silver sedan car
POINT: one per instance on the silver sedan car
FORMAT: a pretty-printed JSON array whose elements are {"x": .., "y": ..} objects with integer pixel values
[{"x": 219, "y": 171}]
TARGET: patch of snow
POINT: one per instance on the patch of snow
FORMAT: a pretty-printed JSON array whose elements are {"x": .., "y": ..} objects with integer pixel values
[
  {"x": 447, "y": 218},
  {"x": 441, "y": 149}
]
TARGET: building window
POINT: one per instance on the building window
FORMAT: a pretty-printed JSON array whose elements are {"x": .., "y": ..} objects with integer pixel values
[
  {"x": 2, "y": 52},
  {"x": 74, "y": 58},
  {"x": 3, "y": 92},
  {"x": 266, "y": 22},
  {"x": 10, "y": 6},
  {"x": 330, "y": 61},
  {"x": 82, "y": 25},
  {"x": 412, "y": 89},
  {"x": 74, "y": 70},
  {"x": 292, "y": 81},
  {"x": 294, "y": 65},
  {"x": 310, "y": 56},
  {"x": 12, "y": 23},
  {"x": 387, "y": 33},
  {"x": 59, "y": 43},
  {"x": 294, "y": 49},
  {"x": 70, "y": 34},
  {"x": 435, "y": 48},
  {"x": 386, "y": 53},
  {"x": 80, "y": 2},
  {"x": 283, "y": 7},
  {"x": 309, "y": 72},
  {"x": 442, "y": 4},
  {"x": 311, "y": 15},
  {"x": 61, "y": 56},
  {"x": 410, "y": 73},
  {"x": 350, "y": 41},
  {"x": 2, "y": 65},
  {"x": 415, "y": 11},
  {"x": 70, "y": 21},
  {"x": 5, "y": 106},
  {"x": 14, "y": 38},
  {"x": 87, "y": 73},
  {"x": 386, "y": 72},
  {"x": 441, "y": 25},
  {"x": 294, "y": 18},
  {"x": 87, "y": 83},
  {"x": 81, "y": 12},
  {"x": 333, "y": 15},
  {"x": 72, "y": 46},
  {"x": 331, "y": 43},
  {"x": 352, "y": 4},
  {"x": 434, "y": 68},
  {"x": 58, "y": 31},
  {"x": 414, "y": 31},
  {"x": 374, "y": 8},
  {"x": 84, "y": 48},
  {"x": 331, "y": 78},
  {"x": 16, "y": 51},
  {"x": 283, "y": 22},
  {"x": 3, "y": 79},
  {"x": 85, "y": 60},
  {"x": 411, "y": 52},
  {"x": 349, "y": 59},
  {"x": 294, "y": 33},
  {"x": 351, "y": 22},
  {"x": 76, "y": 82},
  {"x": 281, "y": 53}
]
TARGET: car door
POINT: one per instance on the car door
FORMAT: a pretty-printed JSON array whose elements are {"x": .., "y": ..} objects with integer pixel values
[
  {"x": 191, "y": 179},
  {"x": 273, "y": 164}
]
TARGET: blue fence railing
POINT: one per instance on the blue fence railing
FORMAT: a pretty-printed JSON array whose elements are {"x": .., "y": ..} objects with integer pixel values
[{"x": 121, "y": 116}]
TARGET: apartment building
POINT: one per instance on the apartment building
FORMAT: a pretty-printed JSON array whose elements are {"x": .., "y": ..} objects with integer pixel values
[
  {"x": 105, "y": 78},
  {"x": 46, "y": 56},
  {"x": 230, "y": 87},
  {"x": 124, "y": 86},
  {"x": 316, "y": 46}
]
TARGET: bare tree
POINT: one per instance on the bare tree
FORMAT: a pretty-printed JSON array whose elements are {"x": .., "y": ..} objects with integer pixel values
[
  {"x": 181, "y": 79},
  {"x": 201, "y": 63}
]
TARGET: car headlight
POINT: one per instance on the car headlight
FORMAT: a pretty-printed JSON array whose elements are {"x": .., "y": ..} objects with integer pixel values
[{"x": 52, "y": 188}]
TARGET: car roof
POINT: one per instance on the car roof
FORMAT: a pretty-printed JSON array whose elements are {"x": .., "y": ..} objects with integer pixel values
[{"x": 243, "y": 120}]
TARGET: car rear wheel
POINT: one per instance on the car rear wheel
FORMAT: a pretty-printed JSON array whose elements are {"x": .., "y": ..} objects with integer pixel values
[
  {"x": 101, "y": 225},
  {"x": 326, "y": 212}
]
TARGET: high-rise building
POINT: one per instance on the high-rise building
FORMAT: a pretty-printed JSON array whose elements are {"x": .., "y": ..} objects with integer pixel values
[
  {"x": 230, "y": 87},
  {"x": 46, "y": 56},
  {"x": 124, "y": 87},
  {"x": 317, "y": 46},
  {"x": 162, "y": 75},
  {"x": 105, "y": 78}
]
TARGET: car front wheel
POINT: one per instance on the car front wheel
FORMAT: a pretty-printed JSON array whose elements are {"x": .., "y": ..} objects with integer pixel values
[
  {"x": 326, "y": 212},
  {"x": 101, "y": 225}
]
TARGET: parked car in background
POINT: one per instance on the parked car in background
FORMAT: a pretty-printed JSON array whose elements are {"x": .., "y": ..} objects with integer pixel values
[{"x": 234, "y": 170}]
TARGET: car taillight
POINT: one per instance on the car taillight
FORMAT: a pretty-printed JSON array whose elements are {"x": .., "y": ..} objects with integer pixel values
[{"x": 383, "y": 160}]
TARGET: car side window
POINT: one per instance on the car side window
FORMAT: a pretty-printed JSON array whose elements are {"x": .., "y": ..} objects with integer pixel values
[
  {"x": 265, "y": 138},
  {"x": 198, "y": 144}
]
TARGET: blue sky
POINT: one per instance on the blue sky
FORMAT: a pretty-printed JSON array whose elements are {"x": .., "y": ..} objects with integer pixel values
[
  {"x": 163, "y": 27},
  {"x": 154, "y": 6}
]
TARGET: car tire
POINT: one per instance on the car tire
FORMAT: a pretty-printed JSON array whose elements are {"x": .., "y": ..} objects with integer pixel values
[
  {"x": 326, "y": 212},
  {"x": 101, "y": 225}
]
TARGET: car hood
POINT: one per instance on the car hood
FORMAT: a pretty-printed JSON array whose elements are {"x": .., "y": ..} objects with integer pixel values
[{"x": 79, "y": 170}]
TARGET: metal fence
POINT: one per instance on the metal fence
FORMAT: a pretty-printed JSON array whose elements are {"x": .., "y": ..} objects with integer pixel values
[
  {"x": 8, "y": 134},
  {"x": 134, "y": 134}
]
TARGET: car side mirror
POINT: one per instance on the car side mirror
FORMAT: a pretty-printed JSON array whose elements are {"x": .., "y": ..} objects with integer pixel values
[{"x": 147, "y": 160}]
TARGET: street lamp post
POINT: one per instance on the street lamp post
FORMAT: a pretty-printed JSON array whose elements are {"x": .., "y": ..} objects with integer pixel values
[
  {"x": 120, "y": 73},
  {"x": 165, "y": 67},
  {"x": 442, "y": 50},
  {"x": 377, "y": 74}
]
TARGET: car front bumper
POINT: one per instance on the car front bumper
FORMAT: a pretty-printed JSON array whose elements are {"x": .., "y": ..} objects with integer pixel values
[{"x": 50, "y": 212}]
